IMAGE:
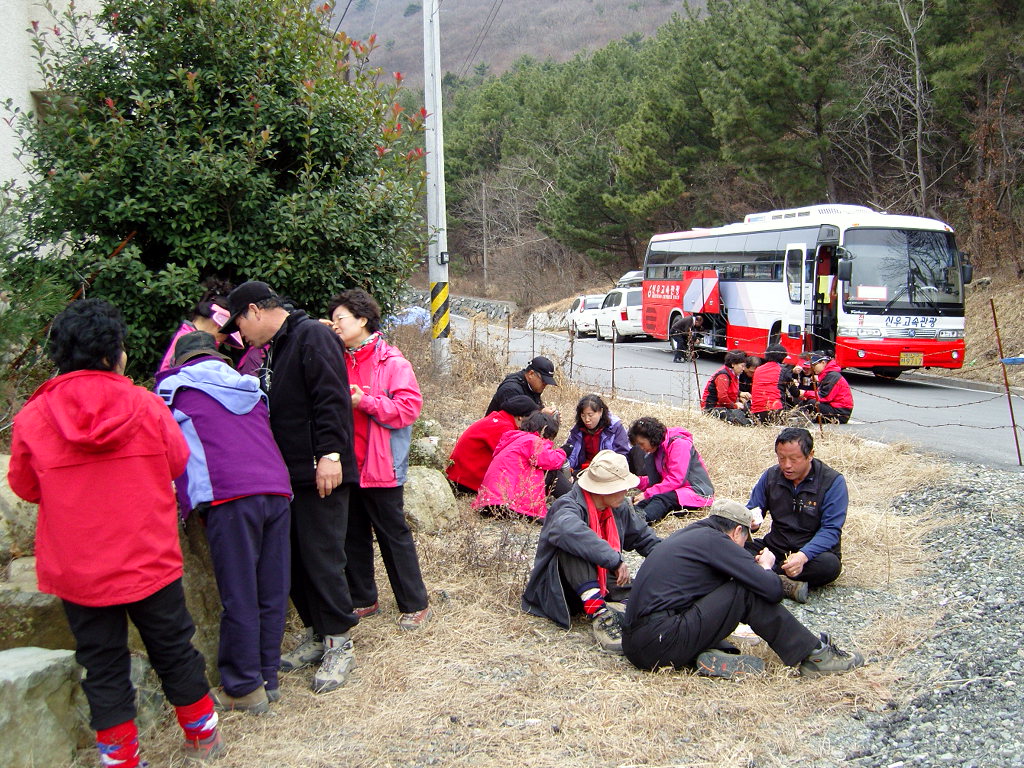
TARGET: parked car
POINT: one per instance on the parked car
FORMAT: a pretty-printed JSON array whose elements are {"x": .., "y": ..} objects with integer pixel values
[
  {"x": 632, "y": 279},
  {"x": 620, "y": 314},
  {"x": 579, "y": 320}
]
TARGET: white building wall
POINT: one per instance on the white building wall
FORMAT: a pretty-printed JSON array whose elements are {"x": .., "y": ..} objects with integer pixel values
[{"x": 18, "y": 76}]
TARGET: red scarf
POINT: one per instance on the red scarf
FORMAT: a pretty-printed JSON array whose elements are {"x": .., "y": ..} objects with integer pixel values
[{"x": 602, "y": 522}]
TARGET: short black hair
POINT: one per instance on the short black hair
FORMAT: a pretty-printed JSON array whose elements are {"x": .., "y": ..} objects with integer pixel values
[
  {"x": 541, "y": 423},
  {"x": 775, "y": 353},
  {"x": 796, "y": 435},
  {"x": 594, "y": 403},
  {"x": 734, "y": 356},
  {"x": 725, "y": 525},
  {"x": 650, "y": 428},
  {"x": 87, "y": 336},
  {"x": 753, "y": 362},
  {"x": 360, "y": 304}
]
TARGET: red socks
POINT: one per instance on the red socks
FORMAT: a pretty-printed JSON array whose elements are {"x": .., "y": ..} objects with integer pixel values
[
  {"x": 119, "y": 745},
  {"x": 591, "y": 597},
  {"x": 198, "y": 720}
]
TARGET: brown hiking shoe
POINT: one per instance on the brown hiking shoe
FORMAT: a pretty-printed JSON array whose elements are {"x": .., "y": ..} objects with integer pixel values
[
  {"x": 829, "y": 659},
  {"x": 416, "y": 620},
  {"x": 607, "y": 629},
  {"x": 255, "y": 702},
  {"x": 794, "y": 590},
  {"x": 729, "y": 666}
]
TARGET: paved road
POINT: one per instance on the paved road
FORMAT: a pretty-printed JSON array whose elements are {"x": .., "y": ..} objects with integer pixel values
[{"x": 937, "y": 416}]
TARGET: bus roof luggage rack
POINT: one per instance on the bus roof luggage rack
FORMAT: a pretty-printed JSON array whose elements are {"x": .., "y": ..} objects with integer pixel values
[{"x": 811, "y": 210}]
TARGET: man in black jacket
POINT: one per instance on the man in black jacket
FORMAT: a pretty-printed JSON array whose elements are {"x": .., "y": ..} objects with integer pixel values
[
  {"x": 311, "y": 418},
  {"x": 694, "y": 589},
  {"x": 531, "y": 381}
]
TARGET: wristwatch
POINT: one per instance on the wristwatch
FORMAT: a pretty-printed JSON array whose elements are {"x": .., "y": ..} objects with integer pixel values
[{"x": 332, "y": 456}]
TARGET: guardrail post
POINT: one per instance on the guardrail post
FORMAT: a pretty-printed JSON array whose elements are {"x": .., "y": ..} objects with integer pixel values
[{"x": 613, "y": 365}]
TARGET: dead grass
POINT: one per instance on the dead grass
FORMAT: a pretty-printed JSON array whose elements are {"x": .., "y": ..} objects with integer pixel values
[
  {"x": 981, "y": 362},
  {"x": 486, "y": 685}
]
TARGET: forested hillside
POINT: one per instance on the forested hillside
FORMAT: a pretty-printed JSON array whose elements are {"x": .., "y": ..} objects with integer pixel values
[{"x": 910, "y": 106}]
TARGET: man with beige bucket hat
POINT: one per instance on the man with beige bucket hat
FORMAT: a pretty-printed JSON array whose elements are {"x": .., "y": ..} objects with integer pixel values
[
  {"x": 579, "y": 565},
  {"x": 698, "y": 585}
]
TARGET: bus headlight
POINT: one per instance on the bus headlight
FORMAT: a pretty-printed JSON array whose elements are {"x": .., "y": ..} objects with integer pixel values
[{"x": 950, "y": 333}]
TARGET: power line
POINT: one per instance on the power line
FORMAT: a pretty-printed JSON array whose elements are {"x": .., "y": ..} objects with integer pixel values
[
  {"x": 484, "y": 29},
  {"x": 338, "y": 27}
]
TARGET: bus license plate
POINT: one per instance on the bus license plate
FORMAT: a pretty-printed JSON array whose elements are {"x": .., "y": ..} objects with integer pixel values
[{"x": 911, "y": 358}]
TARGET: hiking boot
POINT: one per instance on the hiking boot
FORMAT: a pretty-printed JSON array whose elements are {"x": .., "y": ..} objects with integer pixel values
[
  {"x": 255, "y": 702},
  {"x": 201, "y": 750},
  {"x": 414, "y": 621},
  {"x": 715, "y": 662},
  {"x": 367, "y": 610},
  {"x": 339, "y": 659},
  {"x": 794, "y": 590},
  {"x": 827, "y": 659},
  {"x": 309, "y": 651},
  {"x": 273, "y": 694},
  {"x": 607, "y": 629}
]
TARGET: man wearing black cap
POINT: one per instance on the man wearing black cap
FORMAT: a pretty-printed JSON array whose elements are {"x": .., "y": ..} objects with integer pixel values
[
  {"x": 694, "y": 589},
  {"x": 531, "y": 381},
  {"x": 311, "y": 418},
  {"x": 831, "y": 398}
]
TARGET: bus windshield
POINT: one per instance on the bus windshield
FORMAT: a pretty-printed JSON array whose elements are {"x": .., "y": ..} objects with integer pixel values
[{"x": 903, "y": 270}]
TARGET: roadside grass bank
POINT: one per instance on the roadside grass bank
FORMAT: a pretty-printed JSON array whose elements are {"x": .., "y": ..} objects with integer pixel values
[{"x": 486, "y": 685}]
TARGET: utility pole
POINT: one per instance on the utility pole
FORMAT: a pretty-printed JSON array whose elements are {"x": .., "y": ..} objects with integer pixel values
[{"x": 437, "y": 215}]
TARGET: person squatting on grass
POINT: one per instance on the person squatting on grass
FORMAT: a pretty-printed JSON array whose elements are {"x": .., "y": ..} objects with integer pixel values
[
  {"x": 598, "y": 429},
  {"x": 311, "y": 418},
  {"x": 831, "y": 399},
  {"x": 237, "y": 482},
  {"x": 386, "y": 400},
  {"x": 98, "y": 455},
  {"x": 722, "y": 397},
  {"x": 808, "y": 501},
  {"x": 579, "y": 565},
  {"x": 774, "y": 389},
  {"x": 474, "y": 449},
  {"x": 676, "y": 477},
  {"x": 514, "y": 482},
  {"x": 698, "y": 585}
]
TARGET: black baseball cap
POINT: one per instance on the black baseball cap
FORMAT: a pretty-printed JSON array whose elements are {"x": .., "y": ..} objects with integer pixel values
[
  {"x": 820, "y": 357},
  {"x": 545, "y": 368},
  {"x": 238, "y": 301}
]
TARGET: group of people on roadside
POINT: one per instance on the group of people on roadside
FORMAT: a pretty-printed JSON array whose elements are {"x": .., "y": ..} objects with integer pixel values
[
  {"x": 293, "y": 471},
  {"x": 747, "y": 390}
]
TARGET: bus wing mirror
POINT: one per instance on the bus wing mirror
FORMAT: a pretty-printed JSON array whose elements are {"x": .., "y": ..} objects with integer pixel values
[
  {"x": 967, "y": 272},
  {"x": 844, "y": 270}
]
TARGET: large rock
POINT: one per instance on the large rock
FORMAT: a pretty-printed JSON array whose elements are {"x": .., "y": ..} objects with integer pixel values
[
  {"x": 17, "y": 520},
  {"x": 201, "y": 594},
  {"x": 43, "y": 713},
  {"x": 429, "y": 501},
  {"x": 29, "y": 617}
]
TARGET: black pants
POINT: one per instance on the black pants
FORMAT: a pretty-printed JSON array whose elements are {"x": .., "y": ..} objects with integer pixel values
[
  {"x": 731, "y": 415},
  {"x": 656, "y": 507},
  {"x": 101, "y": 637},
  {"x": 575, "y": 572},
  {"x": 829, "y": 414},
  {"x": 822, "y": 570},
  {"x": 557, "y": 482},
  {"x": 676, "y": 640},
  {"x": 319, "y": 587},
  {"x": 381, "y": 511}
]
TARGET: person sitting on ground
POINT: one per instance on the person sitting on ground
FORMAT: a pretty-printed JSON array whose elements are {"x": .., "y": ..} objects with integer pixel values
[
  {"x": 831, "y": 399},
  {"x": 579, "y": 565},
  {"x": 698, "y": 585},
  {"x": 237, "y": 482},
  {"x": 99, "y": 455},
  {"x": 746, "y": 376},
  {"x": 774, "y": 387},
  {"x": 682, "y": 335},
  {"x": 514, "y": 482},
  {"x": 807, "y": 501},
  {"x": 722, "y": 397},
  {"x": 676, "y": 477},
  {"x": 531, "y": 381},
  {"x": 474, "y": 449},
  {"x": 597, "y": 429},
  {"x": 386, "y": 400}
]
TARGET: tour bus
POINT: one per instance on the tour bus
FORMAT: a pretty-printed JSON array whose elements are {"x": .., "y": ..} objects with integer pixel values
[{"x": 877, "y": 291}]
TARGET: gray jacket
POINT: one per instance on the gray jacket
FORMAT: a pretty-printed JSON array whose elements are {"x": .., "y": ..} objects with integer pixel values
[{"x": 566, "y": 528}]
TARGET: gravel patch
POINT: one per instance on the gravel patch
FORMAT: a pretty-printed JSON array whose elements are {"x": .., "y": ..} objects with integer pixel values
[{"x": 965, "y": 682}]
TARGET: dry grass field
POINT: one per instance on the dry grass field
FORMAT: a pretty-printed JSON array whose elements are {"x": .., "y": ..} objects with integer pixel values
[{"x": 486, "y": 685}]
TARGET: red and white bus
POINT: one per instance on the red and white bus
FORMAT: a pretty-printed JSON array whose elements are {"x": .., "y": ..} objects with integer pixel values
[{"x": 877, "y": 291}]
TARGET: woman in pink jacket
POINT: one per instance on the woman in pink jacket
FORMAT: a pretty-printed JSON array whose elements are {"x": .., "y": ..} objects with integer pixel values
[
  {"x": 386, "y": 400},
  {"x": 514, "y": 482},
  {"x": 676, "y": 476}
]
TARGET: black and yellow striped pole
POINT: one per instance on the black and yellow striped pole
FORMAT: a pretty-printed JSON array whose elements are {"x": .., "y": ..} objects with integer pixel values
[{"x": 437, "y": 216}]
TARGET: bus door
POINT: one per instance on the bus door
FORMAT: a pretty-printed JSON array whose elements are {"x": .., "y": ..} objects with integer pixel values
[
  {"x": 798, "y": 316},
  {"x": 701, "y": 296},
  {"x": 825, "y": 308}
]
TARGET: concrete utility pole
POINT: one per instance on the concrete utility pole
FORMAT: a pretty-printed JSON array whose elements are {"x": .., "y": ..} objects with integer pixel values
[{"x": 437, "y": 215}]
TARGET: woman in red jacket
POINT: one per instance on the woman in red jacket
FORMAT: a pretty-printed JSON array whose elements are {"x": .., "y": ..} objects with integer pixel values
[
  {"x": 98, "y": 454},
  {"x": 774, "y": 388}
]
